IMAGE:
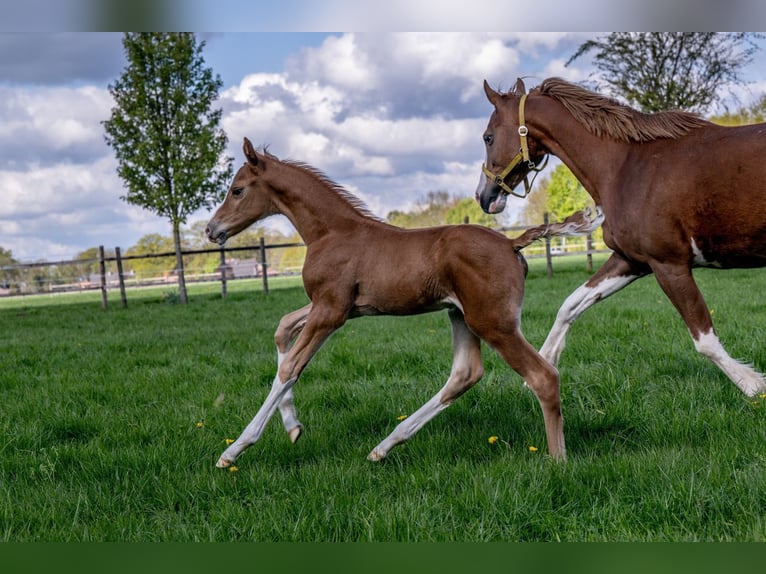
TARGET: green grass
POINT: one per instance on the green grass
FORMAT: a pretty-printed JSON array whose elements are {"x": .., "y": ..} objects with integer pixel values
[{"x": 110, "y": 429}]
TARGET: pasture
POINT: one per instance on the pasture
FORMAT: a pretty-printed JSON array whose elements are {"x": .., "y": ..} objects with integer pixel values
[{"x": 112, "y": 422}]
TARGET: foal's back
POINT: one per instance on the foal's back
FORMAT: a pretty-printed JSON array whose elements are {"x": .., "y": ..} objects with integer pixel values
[{"x": 394, "y": 271}]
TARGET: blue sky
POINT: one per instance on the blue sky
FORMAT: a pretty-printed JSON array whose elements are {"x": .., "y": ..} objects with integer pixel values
[{"x": 389, "y": 115}]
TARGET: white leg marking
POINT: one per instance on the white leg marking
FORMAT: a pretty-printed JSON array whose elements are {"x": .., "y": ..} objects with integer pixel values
[
  {"x": 408, "y": 427},
  {"x": 747, "y": 380},
  {"x": 461, "y": 377},
  {"x": 290, "y": 421},
  {"x": 575, "y": 305},
  {"x": 253, "y": 431}
]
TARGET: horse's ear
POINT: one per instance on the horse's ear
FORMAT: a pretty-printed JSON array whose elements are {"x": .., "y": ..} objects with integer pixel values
[
  {"x": 249, "y": 151},
  {"x": 519, "y": 89},
  {"x": 493, "y": 96}
]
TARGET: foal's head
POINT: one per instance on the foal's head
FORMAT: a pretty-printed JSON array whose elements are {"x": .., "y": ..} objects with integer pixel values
[{"x": 248, "y": 200}]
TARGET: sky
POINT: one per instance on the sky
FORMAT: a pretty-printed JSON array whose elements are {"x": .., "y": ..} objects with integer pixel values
[{"x": 388, "y": 115}]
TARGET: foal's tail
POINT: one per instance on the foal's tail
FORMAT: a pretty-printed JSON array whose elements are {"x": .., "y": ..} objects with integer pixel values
[{"x": 579, "y": 223}]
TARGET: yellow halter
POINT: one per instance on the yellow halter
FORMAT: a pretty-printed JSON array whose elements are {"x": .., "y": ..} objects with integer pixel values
[{"x": 523, "y": 155}]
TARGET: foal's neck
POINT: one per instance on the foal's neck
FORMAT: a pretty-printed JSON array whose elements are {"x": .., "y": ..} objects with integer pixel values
[{"x": 317, "y": 206}]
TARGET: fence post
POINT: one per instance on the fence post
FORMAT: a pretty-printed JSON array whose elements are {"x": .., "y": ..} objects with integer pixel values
[
  {"x": 264, "y": 266},
  {"x": 223, "y": 273},
  {"x": 589, "y": 256},
  {"x": 123, "y": 297},
  {"x": 548, "y": 259},
  {"x": 102, "y": 272}
]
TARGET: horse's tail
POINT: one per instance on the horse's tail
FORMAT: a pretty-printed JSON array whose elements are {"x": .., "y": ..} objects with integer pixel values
[{"x": 579, "y": 223}]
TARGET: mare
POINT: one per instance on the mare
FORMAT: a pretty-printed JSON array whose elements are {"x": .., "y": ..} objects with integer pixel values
[
  {"x": 676, "y": 191},
  {"x": 357, "y": 265}
]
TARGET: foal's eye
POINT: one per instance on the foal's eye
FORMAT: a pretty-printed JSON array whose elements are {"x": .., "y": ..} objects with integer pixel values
[
  {"x": 488, "y": 139},
  {"x": 237, "y": 191}
]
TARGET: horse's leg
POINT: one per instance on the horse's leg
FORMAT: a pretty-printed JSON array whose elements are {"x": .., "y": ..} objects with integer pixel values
[
  {"x": 289, "y": 327},
  {"x": 467, "y": 369},
  {"x": 539, "y": 375},
  {"x": 678, "y": 284},
  {"x": 612, "y": 276},
  {"x": 319, "y": 325}
]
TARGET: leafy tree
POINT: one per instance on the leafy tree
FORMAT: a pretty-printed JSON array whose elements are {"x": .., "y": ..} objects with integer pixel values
[
  {"x": 658, "y": 71},
  {"x": 468, "y": 208},
  {"x": 151, "y": 244},
  {"x": 165, "y": 134},
  {"x": 559, "y": 195},
  {"x": 427, "y": 212},
  {"x": 438, "y": 208},
  {"x": 754, "y": 114},
  {"x": 535, "y": 205},
  {"x": 8, "y": 277}
]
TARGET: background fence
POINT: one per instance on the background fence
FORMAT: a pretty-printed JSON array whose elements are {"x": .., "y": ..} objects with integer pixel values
[{"x": 114, "y": 270}]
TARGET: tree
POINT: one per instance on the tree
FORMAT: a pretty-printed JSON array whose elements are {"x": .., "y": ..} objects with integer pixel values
[
  {"x": 559, "y": 195},
  {"x": 468, "y": 209},
  {"x": 754, "y": 114},
  {"x": 165, "y": 134},
  {"x": 151, "y": 244},
  {"x": 658, "y": 71},
  {"x": 438, "y": 208}
]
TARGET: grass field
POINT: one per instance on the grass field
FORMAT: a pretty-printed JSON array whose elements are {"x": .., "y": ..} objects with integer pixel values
[{"x": 112, "y": 422}]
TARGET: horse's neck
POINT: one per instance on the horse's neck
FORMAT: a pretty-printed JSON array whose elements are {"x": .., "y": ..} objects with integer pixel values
[
  {"x": 315, "y": 208},
  {"x": 592, "y": 159}
]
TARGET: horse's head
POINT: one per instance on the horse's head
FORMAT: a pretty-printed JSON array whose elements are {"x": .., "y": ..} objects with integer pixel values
[
  {"x": 511, "y": 152},
  {"x": 248, "y": 200}
]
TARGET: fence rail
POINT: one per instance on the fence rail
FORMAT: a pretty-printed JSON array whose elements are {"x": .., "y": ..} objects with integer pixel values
[{"x": 105, "y": 279}]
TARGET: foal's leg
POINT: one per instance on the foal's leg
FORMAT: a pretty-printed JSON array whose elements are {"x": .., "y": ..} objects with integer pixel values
[
  {"x": 678, "y": 284},
  {"x": 289, "y": 327},
  {"x": 467, "y": 369},
  {"x": 319, "y": 325},
  {"x": 612, "y": 276},
  {"x": 539, "y": 375}
]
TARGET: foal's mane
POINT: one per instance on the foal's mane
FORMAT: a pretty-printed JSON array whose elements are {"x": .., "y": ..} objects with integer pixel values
[
  {"x": 357, "y": 204},
  {"x": 601, "y": 115}
]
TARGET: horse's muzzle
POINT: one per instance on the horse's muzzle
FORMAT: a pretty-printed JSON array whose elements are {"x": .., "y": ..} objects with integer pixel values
[
  {"x": 490, "y": 196},
  {"x": 215, "y": 234}
]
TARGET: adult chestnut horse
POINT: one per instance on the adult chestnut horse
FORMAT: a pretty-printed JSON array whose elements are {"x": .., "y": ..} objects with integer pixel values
[
  {"x": 676, "y": 191},
  {"x": 357, "y": 265}
]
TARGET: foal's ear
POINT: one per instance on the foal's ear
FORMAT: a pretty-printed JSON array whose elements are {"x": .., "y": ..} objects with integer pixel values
[
  {"x": 493, "y": 96},
  {"x": 249, "y": 151},
  {"x": 519, "y": 89}
]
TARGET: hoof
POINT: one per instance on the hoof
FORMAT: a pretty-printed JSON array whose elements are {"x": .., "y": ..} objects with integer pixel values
[
  {"x": 295, "y": 433},
  {"x": 224, "y": 463},
  {"x": 375, "y": 456}
]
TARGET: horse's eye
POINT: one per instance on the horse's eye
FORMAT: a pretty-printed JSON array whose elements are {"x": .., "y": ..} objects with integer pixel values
[
  {"x": 488, "y": 139},
  {"x": 237, "y": 191}
]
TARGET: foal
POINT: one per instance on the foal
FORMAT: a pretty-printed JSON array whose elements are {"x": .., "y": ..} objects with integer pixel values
[{"x": 357, "y": 265}]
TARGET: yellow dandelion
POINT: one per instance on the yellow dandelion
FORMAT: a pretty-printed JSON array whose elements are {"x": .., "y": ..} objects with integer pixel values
[
  {"x": 492, "y": 439},
  {"x": 200, "y": 424},
  {"x": 762, "y": 396},
  {"x": 228, "y": 441},
  {"x": 401, "y": 417},
  {"x": 233, "y": 468},
  {"x": 532, "y": 449}
]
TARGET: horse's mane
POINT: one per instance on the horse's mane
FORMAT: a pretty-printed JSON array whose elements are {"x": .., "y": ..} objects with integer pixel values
[
  {"x": 604, "y": 116},
  {"x": 356, "y": 203}
]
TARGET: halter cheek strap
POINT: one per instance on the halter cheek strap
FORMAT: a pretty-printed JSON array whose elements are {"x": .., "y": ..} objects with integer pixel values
[{"x": 523, "y": 155}]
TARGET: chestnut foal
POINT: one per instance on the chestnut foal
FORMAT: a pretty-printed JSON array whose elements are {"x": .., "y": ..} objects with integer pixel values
[{"x": 357, "y": 265}]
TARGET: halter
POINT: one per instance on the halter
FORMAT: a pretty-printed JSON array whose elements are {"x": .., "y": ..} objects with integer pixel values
[{"x": 523, "y": 155}]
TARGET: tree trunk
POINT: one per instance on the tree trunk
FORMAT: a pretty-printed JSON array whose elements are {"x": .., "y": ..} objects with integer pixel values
[{"x": 179, "y": 263}]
